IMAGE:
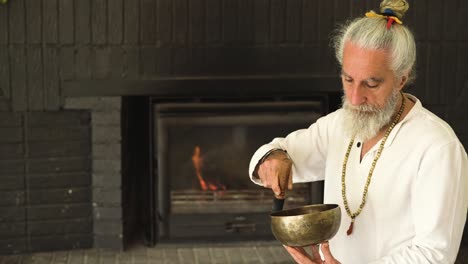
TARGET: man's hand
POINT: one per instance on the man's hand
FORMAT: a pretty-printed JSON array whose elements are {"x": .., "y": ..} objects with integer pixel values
[
  {"x": 275, "y": 173},
  {"x": 302, "y": 257}
]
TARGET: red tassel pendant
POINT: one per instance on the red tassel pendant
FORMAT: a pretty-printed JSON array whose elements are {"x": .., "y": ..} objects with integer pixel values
[{"x": 350, "y": 229}]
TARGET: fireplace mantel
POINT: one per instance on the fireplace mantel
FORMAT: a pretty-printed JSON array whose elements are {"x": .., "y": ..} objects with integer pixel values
[{"x": 255, "y": 85}]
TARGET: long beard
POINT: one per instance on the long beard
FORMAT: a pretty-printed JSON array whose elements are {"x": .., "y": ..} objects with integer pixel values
[{"x": 365, "y": 121}]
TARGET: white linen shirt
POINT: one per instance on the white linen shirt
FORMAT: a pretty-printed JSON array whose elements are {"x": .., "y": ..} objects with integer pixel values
[{"x": 417, "y": 200}]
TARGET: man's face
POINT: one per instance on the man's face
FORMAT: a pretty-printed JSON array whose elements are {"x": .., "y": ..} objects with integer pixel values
[{"x": 370, "y": 90}]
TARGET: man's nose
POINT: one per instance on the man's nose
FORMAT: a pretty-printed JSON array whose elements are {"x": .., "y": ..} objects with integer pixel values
[{"x": 357, "y": 95}]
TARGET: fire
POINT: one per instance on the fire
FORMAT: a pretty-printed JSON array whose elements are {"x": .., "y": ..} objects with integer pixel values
[{"x": 197, "y": 160}]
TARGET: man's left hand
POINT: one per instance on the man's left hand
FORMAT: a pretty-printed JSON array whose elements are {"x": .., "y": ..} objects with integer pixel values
[{"x": 302, "y": 257}]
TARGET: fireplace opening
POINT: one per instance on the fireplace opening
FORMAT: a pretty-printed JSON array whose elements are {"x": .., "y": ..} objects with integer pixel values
[
  {"x": 185, "y": 166},
  {"x": 202, "y": 152}
]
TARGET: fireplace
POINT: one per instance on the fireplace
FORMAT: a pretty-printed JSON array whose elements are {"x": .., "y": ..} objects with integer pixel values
[
  {"x": 185, "y": 159},
  {"x": 202, "y": 154}
]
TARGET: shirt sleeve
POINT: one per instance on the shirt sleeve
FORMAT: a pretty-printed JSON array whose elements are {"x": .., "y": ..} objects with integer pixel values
[
  {"x": 439, "y": 202},
  {"x": 307, "y": 149}
]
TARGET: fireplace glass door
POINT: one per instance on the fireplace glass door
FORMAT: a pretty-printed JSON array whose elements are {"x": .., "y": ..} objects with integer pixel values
[{"x": 202, "y": 155}]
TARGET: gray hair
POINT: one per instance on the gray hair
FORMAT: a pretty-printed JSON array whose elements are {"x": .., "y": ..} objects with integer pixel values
[{"x": 371, "y": 33}]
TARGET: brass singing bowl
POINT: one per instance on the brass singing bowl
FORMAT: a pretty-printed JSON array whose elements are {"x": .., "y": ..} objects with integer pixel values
[{"x": 307, "y": 225}]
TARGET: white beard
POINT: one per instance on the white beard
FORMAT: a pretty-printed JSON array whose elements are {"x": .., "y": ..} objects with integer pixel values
[{"x": 365, "y": 121}]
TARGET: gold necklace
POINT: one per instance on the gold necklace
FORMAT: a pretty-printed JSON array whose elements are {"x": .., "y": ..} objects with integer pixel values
[{"x": 369, "y": 176}]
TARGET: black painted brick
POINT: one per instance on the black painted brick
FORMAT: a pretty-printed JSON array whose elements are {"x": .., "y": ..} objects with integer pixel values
[
  {"x": 11, "y": 150},
  {"x": 66, "y": 21},
  {"x": 49, "y": 243},
  {"x": 59, "y": 149},
  {"x": 17, "y": 22},
  {"x": 58, "y": 196},
  {"x": 293, "y": 21},
  {"x": 50, "y": 21},
  {"x": 59, "y": 212},
  {"x": 11, "y": 134},
  {"x": 180, "y": 28},
  {"x": 4, "y": 73},
  {"x": 245, "y": 22},
  {"x": 12, "y": 246},
  {"x": 277, "y": 21},
  {"x": 18, "y": 82},
  {"x": 164, "y": 21},
  {"x": 12, "y": 229},
  {"x": 51, "y": 78},
  {"x": 107, "y": 213},
  {"x": 4, "y": 26},
  {"x": 11, "y": 182},
  {"x": 67, "y": 63},
  {"x": 108, "y": 241},
  {"x": 101, "y": 63},
  {"x": 59, "y": 180},
  {"x": 116, "y": 62},
  {"x": 213, "y": 20},
  {"x": 10, "y": 119},
  {"x": 261, "y": 21},
  {"x": 131, "y": 19},
  {"x": 12, "y": 214},
  {"x": 56, "y": 133},
  {"x": 107, "y": 196},
  {"x": 33, "y": 21},
  {"x": 12, "y": 198},
  {"x": 61, "y": 118},
  {"x": 107, "y": 227},
  {"x": 75, "y": 164},
  {"x": 115, "y": 21},
  {"x": 60, "y": 227},
  {"x": 34, "y": 78},
  {"x": 83, "y": 63},
  {"x": 147, "y": 21},
  {"x": 99, "y": 21},
  {"x": 11, "y": 166},
  {"x": 82, "y": 22},
  {"x": 196, "y": 24}
]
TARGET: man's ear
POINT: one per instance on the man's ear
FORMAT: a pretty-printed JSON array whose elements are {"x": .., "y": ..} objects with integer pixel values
[{"x": 403, "y": 81}]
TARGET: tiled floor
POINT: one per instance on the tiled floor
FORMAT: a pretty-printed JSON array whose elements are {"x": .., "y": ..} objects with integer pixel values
[{"x": 266, "y": 253}]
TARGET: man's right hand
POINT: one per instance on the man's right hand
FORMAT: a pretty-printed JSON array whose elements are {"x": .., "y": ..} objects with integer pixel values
[{"x": 276, "y": 173}]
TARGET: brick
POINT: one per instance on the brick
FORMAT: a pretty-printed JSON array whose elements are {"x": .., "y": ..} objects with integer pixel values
[
  {"x": 33, "y": 21},
  {"x": 60, "y": 164},
  {"x": 108, "y": 242},
  {"x": 11, "y": 167},
  {"x": 277, "y": 21},
  {"x": 107, "y": 213},
  {"x": 106, "y": 118},
  {"x": 325, "y": 21},
  {"x": 10, "y": 198},
  {"x": 62, "y": 242},
  {"x": 131, "y": 25},
  {"x": 11, "y": 182},
  {"x": 59, "y": 118},
  {"x": 107, "y": 227},
  {"x": 18, "y": 83},
  {"x": 11, "y": 119},
  {"x": 147, "y": 21},
  {"x": 35, "y": 78},
  {"x": 108, "y": 150},
  {"x": 245, "y": 21},
  {"x": 107, "y": 179},
  {"x": 59, "y": 212},
  {"x": 148, "y": 57},
  {"x": 102, "y": 134},
  {"x": 66, "y": 21},
  {"x": 107, "y": 166},
  {"x": 115, "y": 21},
  {"x": 51, "y": 80},
  {"x": 50, "y": 21},
  {"x": 11, "y": 230},
  {"x": 131, "y": 63},
  {"x": 164, "y": 63},
  {"x": 17, "y": 22},
  {"x": 11, "y": 134},
  {"x": 261, "y": 21},
  {"x": 4, "y": 73},
  {"x": 4, "y": 26},
  {"x": 293, "y": 21},
  {"x": 60, "y": 227},
  {"x": 213, "y": 21},
  {"x": 107, "y": 196},
  {"x": 101, "y": 63},
  {"x": 83, "y": 63},
  {"x": 82, "y": 22},
  {"x": 98, "y": 104},
  {"x": 67, "y": 63},
  {"x": 196, "y": 25},
  {"x": 54, "y": 196},
  {"x": 99, "y": 21},
  {"x": 59, "y": 180},
  {"x": 116, "y": 61},
  {"x": 52, "y": 149},
  {"x": 180, "y": 29},
  {"x": 164, "y": 21},
  {"x": 11, "y": 150},
  {"x": 12, "y": 214},
  {"x": 12, "y": 246}
]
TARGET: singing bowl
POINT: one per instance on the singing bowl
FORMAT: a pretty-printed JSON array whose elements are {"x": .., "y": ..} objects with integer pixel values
[{"x": 306, "y": 225}]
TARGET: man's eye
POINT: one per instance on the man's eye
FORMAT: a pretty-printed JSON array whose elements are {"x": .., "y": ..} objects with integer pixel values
[
  {"x": 348, "y": 80},
  {"x": 371, "y": 85}
]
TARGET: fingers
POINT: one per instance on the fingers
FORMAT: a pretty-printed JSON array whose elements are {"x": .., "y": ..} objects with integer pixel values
[
  {"x": 327, "y": 253},
  {"x": 276, "y": 174},
  {"x": 290, "y": 183},
  {"x": 300, "y": 255},
  {"x": 316, "y": 253}
]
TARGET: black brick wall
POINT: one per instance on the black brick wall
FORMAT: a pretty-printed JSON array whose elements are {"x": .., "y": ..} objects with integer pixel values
[
  {"x": 46, "y": 43},
  {"x": 45, "y": 181}
]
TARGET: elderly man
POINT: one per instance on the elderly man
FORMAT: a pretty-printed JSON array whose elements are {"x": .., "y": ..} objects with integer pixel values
[{"x": 397, "y": 171}]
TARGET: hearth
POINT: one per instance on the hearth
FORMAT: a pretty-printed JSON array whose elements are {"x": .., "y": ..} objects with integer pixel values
[{"x": 201, "y": 156}]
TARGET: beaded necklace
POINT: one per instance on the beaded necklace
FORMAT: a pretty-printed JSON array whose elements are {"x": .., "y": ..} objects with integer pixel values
[{"x": 369, "y": 176}]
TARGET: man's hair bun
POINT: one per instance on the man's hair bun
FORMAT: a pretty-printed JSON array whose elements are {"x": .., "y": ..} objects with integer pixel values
[{"x": 399, "y": 7}]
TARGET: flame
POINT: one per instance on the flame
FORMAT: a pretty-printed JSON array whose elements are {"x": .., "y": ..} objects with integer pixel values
[{"x": 197, "y": 160}]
